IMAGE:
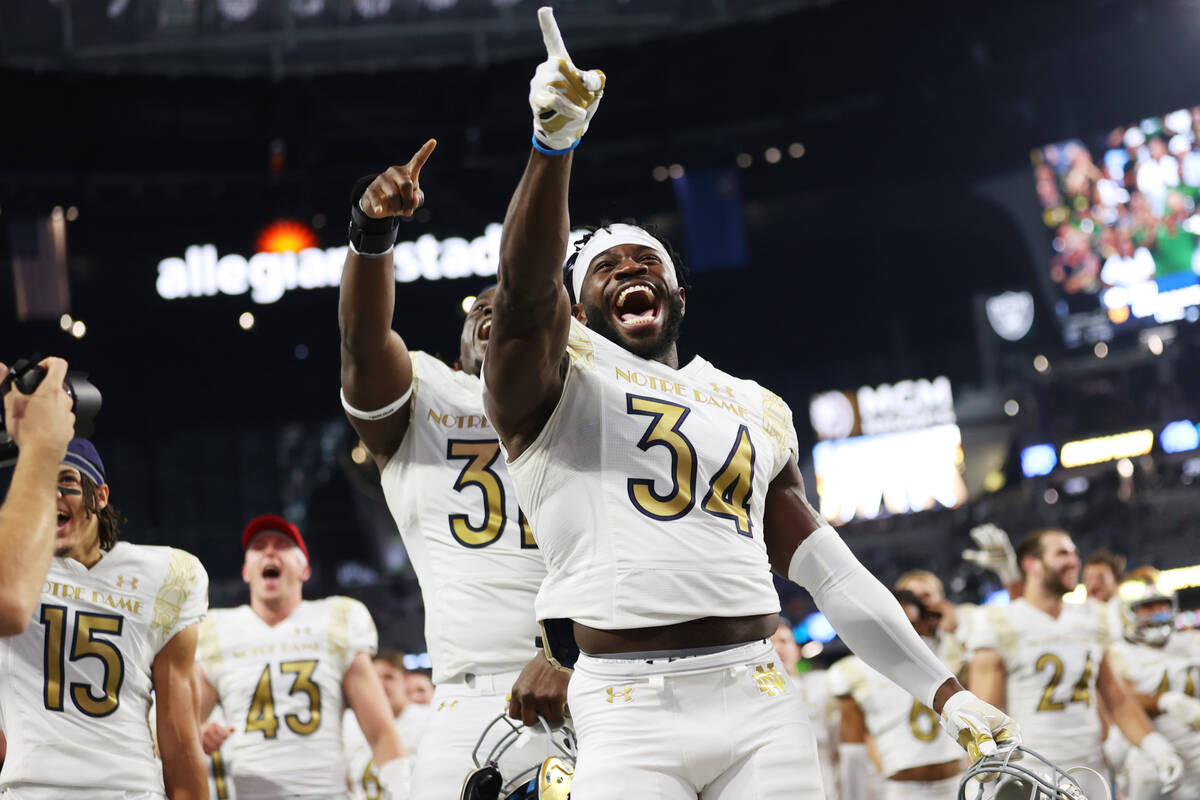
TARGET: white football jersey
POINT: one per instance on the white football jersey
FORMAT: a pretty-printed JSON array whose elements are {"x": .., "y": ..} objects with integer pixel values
[
  {"x": 474, "y": 554},
  {"x": 1174, "y": 667},
  {"x": 906, "y": 731},
  {"x": 1051, "y": 666},
  {"x": 363, "y": 772},
  {"x": 281, "y": 690},
  {"x": 647, "y": 487},
  {"x": 75, "y": 687}
]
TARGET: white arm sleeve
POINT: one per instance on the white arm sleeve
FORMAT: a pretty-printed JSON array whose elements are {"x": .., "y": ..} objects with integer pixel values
[{"x": 866, "y": 615}]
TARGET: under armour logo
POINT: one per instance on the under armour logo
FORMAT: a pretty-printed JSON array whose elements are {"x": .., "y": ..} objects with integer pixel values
[
  {"x": 770, "y": 680},
  {"x": 624, "y": 694},
  {"x": 445, "y": 705},
  {"x": 133, "y": 582}
]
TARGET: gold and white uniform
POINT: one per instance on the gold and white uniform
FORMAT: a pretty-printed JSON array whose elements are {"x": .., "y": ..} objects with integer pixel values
[
  {"x": 1051, "y": 666},
  {"x": 75, "y": 687},
  {"x": 363, "y": 773},
  {"x": 475, "y": 557},
  {"x": 220, "y": 784},
  {"x": 907, "y": 733},
  {"x": 281, "y": 690},
  {"x": 1174, "y": 667},
  {"x": 646, "y": 488}
]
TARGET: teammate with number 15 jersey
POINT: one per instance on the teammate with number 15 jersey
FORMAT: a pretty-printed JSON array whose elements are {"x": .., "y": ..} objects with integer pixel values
[
  {"x": 445, "y": 482},
  {"x": 115, "y": 622}
]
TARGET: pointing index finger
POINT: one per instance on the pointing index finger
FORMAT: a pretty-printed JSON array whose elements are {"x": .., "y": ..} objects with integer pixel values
[
  {"x": 551, "y": 35},
  {"x": 418, "y": 161}
]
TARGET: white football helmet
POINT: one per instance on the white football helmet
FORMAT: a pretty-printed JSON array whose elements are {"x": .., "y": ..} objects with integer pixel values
[
  {"x": 1152, "y": 629},
  {"x": 1019, "y": 773},
  {"x": 506, "y": 770}
]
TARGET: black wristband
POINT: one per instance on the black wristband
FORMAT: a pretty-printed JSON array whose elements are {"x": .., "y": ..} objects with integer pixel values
[{"x": 370, "y": 236}]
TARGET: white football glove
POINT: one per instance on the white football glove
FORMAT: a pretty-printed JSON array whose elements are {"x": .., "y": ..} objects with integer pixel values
[
  {"x": 395, "y": 778},
  {"x": 1181, "y": 707},
  {"x": 563, "y": 97},
  {"x": 1166, "y": 761},
  {"x": 995, "y": 553},
  {"x": 979, "y": 728}
]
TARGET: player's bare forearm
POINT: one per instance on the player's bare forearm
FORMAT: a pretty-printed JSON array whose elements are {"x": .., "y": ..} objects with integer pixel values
[
  {"x": 364, "y": 694},
  {"x": 27, "y": 523},
  {"x": 531, "y": 313},
  {"x": 788, "y": 518},
  {"x": 853, "y": 726},
  {"x": 206, "y": 694},
  {"x": 185, "y": 773},
  {"x": 376, "y": 367},
  {"x": 1127, "y": 712},
  {"x": 985, "y": 677}
]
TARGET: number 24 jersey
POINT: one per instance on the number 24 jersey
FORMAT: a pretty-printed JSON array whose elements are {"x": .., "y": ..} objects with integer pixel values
[
  {"x": 280, "y": 687},
  {"x": 1051, "y": 666},
  {"x": 75, "y": 687}
]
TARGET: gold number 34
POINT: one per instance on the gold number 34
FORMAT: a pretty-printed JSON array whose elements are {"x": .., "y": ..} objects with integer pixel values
[{"x": 730, "y": 489}]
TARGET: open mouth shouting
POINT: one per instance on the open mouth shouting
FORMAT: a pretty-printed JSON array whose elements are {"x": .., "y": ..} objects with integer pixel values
[
  {"x": 483, "y": 330},
  {"x": 271, "y": 574},
  {"x": 64, "y": 519},
  {"x": 636, "y": 305}
]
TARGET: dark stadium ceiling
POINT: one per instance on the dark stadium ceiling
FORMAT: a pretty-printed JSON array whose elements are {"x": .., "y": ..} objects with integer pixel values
[{"x": 309, "y": 37}]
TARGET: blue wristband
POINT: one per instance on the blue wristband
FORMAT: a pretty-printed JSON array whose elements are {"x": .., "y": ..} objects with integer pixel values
[{"x": 541, "y": 148}]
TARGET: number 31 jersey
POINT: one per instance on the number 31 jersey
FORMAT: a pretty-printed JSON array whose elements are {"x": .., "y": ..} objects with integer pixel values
[
  {"x": 647, "y": 486},
  {"x": 75, "y": 686},
  {"x": 472, "y": 549},
  {"x": 1051, "y": 666},
  {"x": 280, "y": 687}
]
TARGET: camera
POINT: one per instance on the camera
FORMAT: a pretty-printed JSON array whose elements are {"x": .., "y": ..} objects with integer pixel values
[{"x": 25, "y": 376}]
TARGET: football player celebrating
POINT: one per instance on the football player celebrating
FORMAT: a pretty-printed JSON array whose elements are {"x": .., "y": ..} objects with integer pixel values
[
  {"x": 1161, "y": 668},
  {"x": 447, "y": 487},
  {"x": 919, "y": 762},
  {"x": 662, "y": 495},
  {"x": 284, "y": 669},
  {"x": 115, "y": 622},
  {"x": 1044, "y": 660}
]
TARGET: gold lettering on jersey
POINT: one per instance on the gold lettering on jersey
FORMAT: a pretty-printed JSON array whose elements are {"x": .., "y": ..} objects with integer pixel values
[
  {"x": 722, "y": 397},
  {"x": 770, "y": 680},
  {"x": 299, "y": 647},
  {"x": 116, "y": 601},
  {"x": 133, "y": 582},
  {"x": 62, "y": 590},
  {"x": 255, "y": 652},
  {"x": 624, "y": 694},
  {"x": 461, "y": 421}
]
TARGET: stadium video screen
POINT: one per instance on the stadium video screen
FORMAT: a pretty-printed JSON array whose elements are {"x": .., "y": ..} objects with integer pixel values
[{"x": 1122, "y": 228}]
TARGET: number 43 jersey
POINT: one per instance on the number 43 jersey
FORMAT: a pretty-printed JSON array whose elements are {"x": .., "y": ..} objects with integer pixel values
[
  {"x": 1051, "y": 666},
  {"x": 647, "y": 487},
  {"x": 280, "y": 687},
  {"x": 471, "y": 547},
  {"x": 75, "y": 686}
]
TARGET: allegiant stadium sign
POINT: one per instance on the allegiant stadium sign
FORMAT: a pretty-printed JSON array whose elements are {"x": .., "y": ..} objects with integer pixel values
[{"x": 268, "y": 276}]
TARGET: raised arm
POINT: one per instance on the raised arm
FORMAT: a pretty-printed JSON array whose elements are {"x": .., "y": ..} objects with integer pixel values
[
  {"x": 376, "y": 369},
  {"x": 531, "y": 315},
  {"x": 41, "y": 424},
  {"x": 185, "y": 772}
]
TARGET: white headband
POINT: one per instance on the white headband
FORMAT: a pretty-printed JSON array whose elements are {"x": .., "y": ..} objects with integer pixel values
[{"x": 611, "y": 236}]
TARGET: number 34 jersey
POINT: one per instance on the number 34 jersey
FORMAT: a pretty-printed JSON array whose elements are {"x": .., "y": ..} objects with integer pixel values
[
  {"x": 1051, "y": 666},
  {"x": 471, "y": 547},
  {"x": 280, "y": 687},
  {"x": 75, "y": 686},
  {"x": 646, "y": 488}
]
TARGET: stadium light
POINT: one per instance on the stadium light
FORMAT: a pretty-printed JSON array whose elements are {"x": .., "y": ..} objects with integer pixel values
[
  {"x": 1106, "y": 448},
  {"x": 246, "y": 321},
  {"x": 1179, "y": 436},
  {"x": 819, "y": 628},
  {"x": 1038, "y": 460}
]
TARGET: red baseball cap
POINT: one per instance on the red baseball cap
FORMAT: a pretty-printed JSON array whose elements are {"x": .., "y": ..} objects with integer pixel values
[{"x": 272, "y": 522}]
